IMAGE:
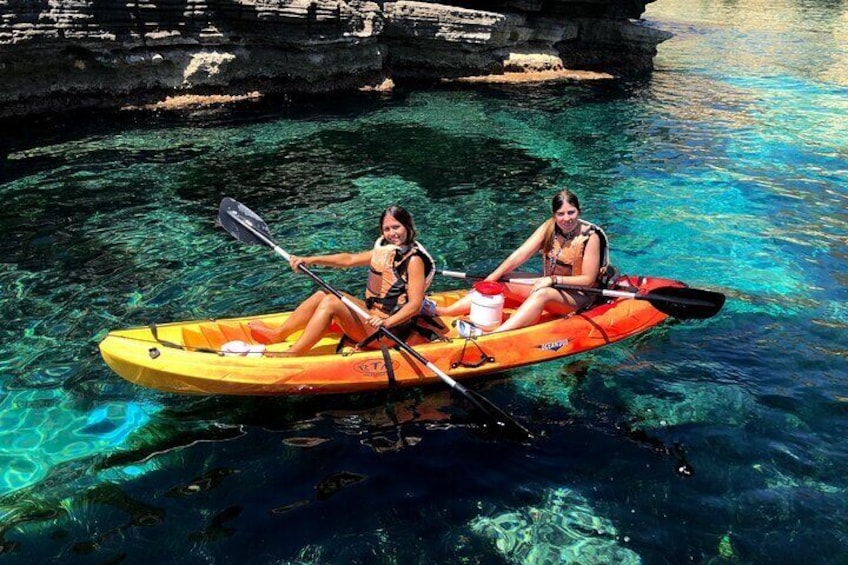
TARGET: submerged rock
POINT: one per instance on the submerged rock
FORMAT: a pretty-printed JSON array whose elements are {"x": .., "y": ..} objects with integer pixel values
[
  {"x": 71, "y": 53},
  {"x": 563, "y": 529}
]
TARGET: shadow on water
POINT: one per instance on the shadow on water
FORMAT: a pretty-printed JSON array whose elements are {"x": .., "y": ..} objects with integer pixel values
[
  {"x": 195, "y": 464},
  {"x": 22, "y": 136},
  {"x": 443, "y": 165},
  {"x": 592, "y": 405},
  {"x": 197, "y": 447}
]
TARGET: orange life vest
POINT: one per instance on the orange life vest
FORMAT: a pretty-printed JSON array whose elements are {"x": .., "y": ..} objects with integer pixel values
[
  {"x": 566, "y": 256},
  {"x": 388, "y": 279}
]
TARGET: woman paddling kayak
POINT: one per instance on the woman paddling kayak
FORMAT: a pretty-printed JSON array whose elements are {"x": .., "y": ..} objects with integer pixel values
[
  {"x": 574, "y": 252},
  {"x": 400, "y": 272}
]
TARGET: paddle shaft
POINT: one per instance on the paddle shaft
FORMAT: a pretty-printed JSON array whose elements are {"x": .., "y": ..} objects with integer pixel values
[
  {"x": 357, "y": 309},
  {"x": 681, "y": 302},
  {"x": 531, "y": 278}
]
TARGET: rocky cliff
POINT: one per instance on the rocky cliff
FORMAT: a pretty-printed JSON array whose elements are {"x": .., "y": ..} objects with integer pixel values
[{"x": 60, "y": 54}]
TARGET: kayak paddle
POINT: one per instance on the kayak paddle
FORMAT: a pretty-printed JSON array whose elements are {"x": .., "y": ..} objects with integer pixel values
[
  {"x": 683, "y": 303},
  {"x": 246, "y": 226}
]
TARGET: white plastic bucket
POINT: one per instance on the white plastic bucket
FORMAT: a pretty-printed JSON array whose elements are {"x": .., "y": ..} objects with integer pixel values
[{"x": 487, "y": 304}]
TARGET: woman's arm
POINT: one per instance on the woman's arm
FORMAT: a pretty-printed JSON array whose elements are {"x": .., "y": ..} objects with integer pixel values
[
  {"x": 518, "y": 257},
  {"x": 337, "y": 260}
]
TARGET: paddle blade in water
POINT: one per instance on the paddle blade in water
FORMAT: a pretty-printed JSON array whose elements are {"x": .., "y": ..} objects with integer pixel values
[
  {"x": 504, "y": 423},
  {"x": 235, "y": 217},
  {"x": 685, "y": 303}
]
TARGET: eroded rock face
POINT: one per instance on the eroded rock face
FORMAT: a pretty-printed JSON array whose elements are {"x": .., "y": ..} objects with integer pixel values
[{"x": 60, "y": 54}]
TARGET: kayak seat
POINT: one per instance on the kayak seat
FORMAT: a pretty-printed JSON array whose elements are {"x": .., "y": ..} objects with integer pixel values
[
  {"x": 194, "y": 339},
  {"x": 213, "y": 335},
  {"x": 234, "y": 331},
  {"x": 209, "y": 337}
]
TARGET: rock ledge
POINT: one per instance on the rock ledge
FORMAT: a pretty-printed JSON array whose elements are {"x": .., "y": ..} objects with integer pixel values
[{"x": 57, "y": 55}]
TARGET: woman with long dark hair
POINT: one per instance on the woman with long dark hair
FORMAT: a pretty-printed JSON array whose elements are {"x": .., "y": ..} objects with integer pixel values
[{"x": 400, "y": 271}]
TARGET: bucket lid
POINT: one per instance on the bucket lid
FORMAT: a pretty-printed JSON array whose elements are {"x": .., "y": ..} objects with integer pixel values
[{"x": 489, "y": 288}]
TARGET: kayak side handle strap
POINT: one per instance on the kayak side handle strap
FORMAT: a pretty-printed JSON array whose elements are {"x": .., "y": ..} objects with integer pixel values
[
  {"x": 155, "y": 332},
  {"x": 484, "y": 357}
]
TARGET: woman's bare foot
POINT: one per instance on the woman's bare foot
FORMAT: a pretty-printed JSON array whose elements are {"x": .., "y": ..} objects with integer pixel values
[{"x": 263, "y": 333}]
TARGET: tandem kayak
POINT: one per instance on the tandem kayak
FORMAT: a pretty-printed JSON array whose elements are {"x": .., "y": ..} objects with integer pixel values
[{"x": 190, "y": 357}]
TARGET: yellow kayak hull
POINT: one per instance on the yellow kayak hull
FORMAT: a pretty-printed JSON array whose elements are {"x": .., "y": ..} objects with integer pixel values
[{"x": 186, "y": 357}]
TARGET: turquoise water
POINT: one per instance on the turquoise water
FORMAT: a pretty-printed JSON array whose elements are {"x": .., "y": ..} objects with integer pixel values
[{"x": 726, "y": 168}]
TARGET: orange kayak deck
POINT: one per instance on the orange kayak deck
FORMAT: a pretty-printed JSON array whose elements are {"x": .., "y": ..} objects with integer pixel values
[{"x": 186, "y": 357}]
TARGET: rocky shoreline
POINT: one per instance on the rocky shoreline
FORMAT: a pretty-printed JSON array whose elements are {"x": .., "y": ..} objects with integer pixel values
[{"x": 71, "y": 54}]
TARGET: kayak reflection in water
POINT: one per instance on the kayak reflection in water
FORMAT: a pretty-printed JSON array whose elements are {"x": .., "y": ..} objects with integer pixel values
[
  {"x": 574, "y": 252},
  {"x": 400, "y": 272}
]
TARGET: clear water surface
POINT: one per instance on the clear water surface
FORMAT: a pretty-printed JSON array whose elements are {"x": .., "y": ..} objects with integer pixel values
[{"x": 726, "y": 168}]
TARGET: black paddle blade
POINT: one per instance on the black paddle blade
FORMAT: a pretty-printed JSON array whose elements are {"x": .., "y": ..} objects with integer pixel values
[
  {"x": 233, "y": 216},
  {"x": 685, "y": 303},
  {"x": 504, "y": 423}
]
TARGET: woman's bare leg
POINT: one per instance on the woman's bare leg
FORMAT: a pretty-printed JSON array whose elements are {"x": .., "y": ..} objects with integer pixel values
[
  {"x": 461, "y": 306},
  {"x": 329, "y": 308},
  {"x": 263, "y": 333},
  {"x": 530, "y": 311}
]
